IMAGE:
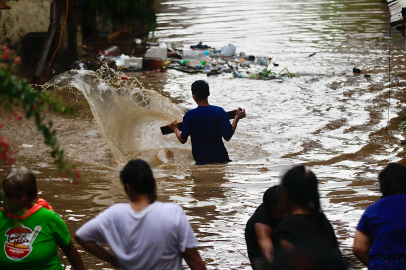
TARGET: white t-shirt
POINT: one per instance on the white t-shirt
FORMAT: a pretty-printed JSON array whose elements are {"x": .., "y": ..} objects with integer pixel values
[{"x": 151, "y": 239}]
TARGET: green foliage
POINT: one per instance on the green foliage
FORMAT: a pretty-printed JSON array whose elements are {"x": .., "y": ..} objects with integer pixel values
[
  {"x": 287, "y": 73},
  {"x": 265, "y": 72},
  {"x": 120, "y": 12},
  {"x": 20, "y": 94},
  {"x": 13, "y": 93}
]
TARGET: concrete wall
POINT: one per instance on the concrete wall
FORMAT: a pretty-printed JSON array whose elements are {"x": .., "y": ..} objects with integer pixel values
[{"x": 24, "y": 16}]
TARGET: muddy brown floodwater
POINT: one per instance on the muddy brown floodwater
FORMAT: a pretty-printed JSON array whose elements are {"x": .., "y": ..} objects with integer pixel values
[{"x": 344, "y": 126}]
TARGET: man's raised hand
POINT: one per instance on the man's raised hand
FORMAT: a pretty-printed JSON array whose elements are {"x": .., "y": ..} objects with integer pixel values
[
  {"x": 173, "y": 125},
  {"x": 240, "y": 114}
]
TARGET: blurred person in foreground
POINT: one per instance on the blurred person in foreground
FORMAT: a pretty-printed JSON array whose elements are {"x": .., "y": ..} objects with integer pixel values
[
  {"x": 207, "y": 125},
  {"x": 259, "y": 228},
  {"x": 305, "y": 240},
  {"x": 144, "y": 233},
  {"x": 31, "y": 232},
  {"x": 380, "y": 237}
]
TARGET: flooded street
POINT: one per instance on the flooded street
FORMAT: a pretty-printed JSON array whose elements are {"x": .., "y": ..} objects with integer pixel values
[{"x": 344, "y": 126}]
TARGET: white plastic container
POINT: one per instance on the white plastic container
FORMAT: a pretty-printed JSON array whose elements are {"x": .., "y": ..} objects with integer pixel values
[
  {"x": 133, "y": 63},
  {"x": 129, "y": 62},
  {"x": 228, "y": 50},
  {"x": 158, "y": 52}
]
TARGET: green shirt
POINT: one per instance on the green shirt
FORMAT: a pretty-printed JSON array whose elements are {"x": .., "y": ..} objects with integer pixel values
[{"x": 34, "y": 245}]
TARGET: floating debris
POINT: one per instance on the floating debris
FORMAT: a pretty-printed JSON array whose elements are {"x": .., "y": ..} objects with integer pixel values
[{"x": 356, "y": 70}]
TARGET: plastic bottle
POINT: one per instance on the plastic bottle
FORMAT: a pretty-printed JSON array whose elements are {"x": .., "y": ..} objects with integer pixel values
[
  {"x": 100, "y": 55},
  {"x": 236, "y": 74},
  {"x": 191, "y": 63},
  {"x": 263, "y": 60},
  {"x": 204, "y": 53},
  {"x": 189, "y": 54},
  {"x": 194, "y": 54},
  {"x": 110, "y": 53},
  {"x": 244, "y": 74},
  {"x": 206, "y": 69},
  {"x": 183, "y": 62},
  {"x": 214, "y": 53},
  {"x": 194, "y": 63}
]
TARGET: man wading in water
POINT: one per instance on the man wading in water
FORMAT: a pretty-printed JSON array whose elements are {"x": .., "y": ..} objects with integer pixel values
[{"x": 207, "y": 125}]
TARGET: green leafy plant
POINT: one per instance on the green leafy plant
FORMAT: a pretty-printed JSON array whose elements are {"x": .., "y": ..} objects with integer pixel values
[
  {"x": 19, "y": 94},
  {"x": 265, "y": 72}
]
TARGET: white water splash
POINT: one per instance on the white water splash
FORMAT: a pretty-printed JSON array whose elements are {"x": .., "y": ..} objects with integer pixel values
[{"x": 129, "y": 116}]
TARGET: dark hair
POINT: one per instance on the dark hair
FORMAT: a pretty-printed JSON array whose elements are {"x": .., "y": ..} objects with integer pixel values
[
  {"x": 200, "y": 89},
  {"x": 272, "y": 197},
  {"x": 392, "y": 179},
  {"x": 302, "y": 188},
  {"x": 138, "y": 175},
  {"x": 21, "y": 178}
]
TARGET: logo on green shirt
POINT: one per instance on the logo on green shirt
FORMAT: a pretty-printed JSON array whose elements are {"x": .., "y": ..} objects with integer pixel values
[{"x": 19, "y": 242}]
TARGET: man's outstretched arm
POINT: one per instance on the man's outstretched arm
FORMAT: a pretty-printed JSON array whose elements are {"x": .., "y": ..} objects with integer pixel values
[
  {"x": 240, "y": 114},
  {"x": 174, "y": 127}
]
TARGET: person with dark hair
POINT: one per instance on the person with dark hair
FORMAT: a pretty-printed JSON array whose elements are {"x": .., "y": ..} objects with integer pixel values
[
  {"x": 207, "y": 125},
  {"x": 305, "y": 239},
  {"x": 143, "y": 234},
  {"x": 380, "y": 237},
  {"x": 31, "y": 232},
  {"x": 259, "y": 229}
]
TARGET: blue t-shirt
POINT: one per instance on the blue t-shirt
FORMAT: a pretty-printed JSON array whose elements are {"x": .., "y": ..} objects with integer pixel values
[
  {"x": 207, "y": 125},
  {"x": 385, "y": 223}
]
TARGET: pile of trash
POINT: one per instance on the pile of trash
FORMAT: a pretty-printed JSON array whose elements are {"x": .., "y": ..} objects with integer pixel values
[
  {"x": 204, "y": 59},
  {"x": 155, "y": 58},
  {"x": 199, "y": 58}
]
